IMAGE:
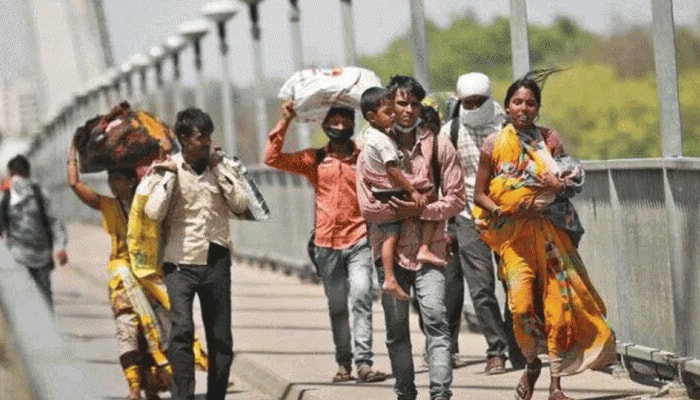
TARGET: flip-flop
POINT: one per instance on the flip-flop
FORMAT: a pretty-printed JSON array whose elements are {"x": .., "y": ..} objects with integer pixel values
[{"x": 526, "y": 386}]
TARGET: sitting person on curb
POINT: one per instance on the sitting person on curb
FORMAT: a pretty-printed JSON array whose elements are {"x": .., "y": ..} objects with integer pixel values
[{"x": 341, "y": 248}]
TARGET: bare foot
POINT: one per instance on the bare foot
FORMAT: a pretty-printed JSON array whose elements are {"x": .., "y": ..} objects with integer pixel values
[
  {"x": 393, "y": 289},
  {"x": 426, "y": 256}
]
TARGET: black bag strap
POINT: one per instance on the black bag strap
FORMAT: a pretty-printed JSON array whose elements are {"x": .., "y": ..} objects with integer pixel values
[
  {"x": 4, "y": 204},
  {"x": 435, "y": 165},
  {"x": 454, "y": 131},
  {"x": 42, "y": 209}
]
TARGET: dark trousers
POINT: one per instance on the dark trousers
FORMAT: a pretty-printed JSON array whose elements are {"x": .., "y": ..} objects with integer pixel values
[
  {"x": 42, "y": 278},
  {"x": 212, "y": 283},
  {"x": 477, "y": 268}
]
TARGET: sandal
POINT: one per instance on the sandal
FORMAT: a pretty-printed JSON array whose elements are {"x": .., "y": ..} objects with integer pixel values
[
  {"x": 344, "y": 374},
  {"x": 559, "y": 395},
  {"x": 365, "y": 374},
  {"x": 526, "y": 386}
]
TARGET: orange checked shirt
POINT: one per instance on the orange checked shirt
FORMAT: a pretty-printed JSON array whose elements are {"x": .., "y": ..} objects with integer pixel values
[{"x": 339, "y": 223}]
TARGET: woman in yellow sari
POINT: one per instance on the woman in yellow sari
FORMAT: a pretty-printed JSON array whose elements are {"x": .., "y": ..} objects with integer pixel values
[
  {"x": 140, "y": 317},
  {"x": 556, "y": 309}
]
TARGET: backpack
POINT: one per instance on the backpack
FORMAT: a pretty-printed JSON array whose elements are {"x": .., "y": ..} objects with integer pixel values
[{"x": 5, "y": 204}]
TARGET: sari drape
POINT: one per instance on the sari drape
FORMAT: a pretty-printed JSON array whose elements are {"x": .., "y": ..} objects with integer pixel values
[{"x": 556, "y": 309}]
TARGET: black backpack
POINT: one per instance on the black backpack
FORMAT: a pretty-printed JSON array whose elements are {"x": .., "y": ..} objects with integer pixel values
[{"x": 5, "y": 204}]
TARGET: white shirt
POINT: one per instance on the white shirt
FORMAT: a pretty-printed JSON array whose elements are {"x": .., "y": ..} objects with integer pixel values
[{"x": 195, "y": 209}]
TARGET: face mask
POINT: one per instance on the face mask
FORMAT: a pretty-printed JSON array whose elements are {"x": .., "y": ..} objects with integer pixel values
[
  {"x": 339, "y": 134},
  {"x": 477, "y": 117},
  {"x": 409, "y": 129}
]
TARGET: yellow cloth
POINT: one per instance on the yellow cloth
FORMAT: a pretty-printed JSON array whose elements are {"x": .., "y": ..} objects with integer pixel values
[
  {"x": 555, "y": 306},
  {"x": 143, "y": 240}
]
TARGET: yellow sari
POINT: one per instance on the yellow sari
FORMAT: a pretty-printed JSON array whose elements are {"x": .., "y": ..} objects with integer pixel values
[{"x": 555, "y": 307}]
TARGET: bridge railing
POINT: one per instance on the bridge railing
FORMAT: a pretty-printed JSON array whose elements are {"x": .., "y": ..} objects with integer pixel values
[{"x": 642, "y": 221}]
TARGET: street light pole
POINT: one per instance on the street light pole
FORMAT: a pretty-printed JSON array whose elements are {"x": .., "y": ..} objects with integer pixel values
[
  {"x": 175, "y": 44},
  {"x": 303, "y": 133},
  {"x": 219, "y": 12},
  {"x": 158, "y": 54},
  {"x": 421, "y": 62},
  {"x": 260, "y": 106},
  {"x": 348, "y": 32},
  {"x": 194, "y": 31},
  {"x": 141, "y": 62}
]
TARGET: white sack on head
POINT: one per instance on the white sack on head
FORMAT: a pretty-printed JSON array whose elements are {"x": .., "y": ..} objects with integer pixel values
[{"x": 316, "y": 90}]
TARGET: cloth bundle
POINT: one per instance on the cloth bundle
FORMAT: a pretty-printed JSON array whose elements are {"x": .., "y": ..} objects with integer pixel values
[
  {"x": 316, "y": 90},
  {"x": 123, "y": 138}
]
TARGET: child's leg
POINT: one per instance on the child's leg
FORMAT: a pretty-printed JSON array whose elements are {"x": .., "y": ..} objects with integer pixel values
[
  {"x": 424, "y": 254},
  {"x": 390, "y": 285}
]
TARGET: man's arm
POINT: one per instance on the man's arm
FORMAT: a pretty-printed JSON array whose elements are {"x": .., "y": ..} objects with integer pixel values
[
  {"x": 158, "y": 202},
  {"x": 301, "y": 162},
  {"x": 58, "y": 230}
]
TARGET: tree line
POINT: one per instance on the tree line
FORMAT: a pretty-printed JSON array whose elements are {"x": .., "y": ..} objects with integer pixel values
[{"x": 604, "y": 103}]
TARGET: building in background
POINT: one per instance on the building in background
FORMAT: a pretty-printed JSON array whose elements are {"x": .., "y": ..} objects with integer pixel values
[
  {"x": 68, "y": 47},
  {"x": 19, "y": 107}
]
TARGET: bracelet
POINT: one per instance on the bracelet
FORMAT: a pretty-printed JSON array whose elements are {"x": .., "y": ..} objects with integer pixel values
[
  {"x": 72, "y": 162},
  {"x": 497, "y": 212}
]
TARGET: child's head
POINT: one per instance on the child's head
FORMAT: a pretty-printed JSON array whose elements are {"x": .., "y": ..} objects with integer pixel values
[{"x": 377, "y": 105}]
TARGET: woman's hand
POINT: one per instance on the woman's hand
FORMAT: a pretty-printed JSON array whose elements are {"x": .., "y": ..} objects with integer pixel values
[{"x": 550, "y": 182}]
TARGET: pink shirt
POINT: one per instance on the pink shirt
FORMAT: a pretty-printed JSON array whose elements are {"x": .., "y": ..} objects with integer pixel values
[{"x": 452, "y": 200}]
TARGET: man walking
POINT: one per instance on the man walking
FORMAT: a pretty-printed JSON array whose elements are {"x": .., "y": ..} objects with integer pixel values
[
  {"x": 35, "y": 236},
  {"x": 197, "y": 195},
  {"x": 479, "y": 115},
  {"x": 341, "y": 249},
  {"x": 423, "y": 153}
]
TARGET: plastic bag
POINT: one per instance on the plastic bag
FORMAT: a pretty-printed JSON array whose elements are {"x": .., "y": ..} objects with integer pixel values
[
  {"x": 124, "y": 138},
  {"x": 316, "y": 90}
]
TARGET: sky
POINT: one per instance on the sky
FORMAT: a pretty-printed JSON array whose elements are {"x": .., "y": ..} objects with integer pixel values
[{"x": 137, "y": 25}]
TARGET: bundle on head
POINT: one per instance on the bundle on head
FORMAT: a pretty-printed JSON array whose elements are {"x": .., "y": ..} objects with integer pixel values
[{"x": 122, "y": 138}]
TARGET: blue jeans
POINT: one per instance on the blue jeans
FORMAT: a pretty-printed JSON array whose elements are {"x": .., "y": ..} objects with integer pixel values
[
  {"x": 344, "y": 273},
  {"x": 429, "y": 286}
]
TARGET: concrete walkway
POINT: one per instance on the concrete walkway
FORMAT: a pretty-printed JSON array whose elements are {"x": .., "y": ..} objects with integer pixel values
[{"x": 282, "y": 340}]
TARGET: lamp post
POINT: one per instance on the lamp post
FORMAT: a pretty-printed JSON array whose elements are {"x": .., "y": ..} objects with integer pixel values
[
  {"x": 141, "y": 62},
  {"x": 420, "y": 45},
  {"x": 125, "y": 75},
  {"x": 175, "y": 44},
  {"x": 348, "y": 32},
  {"x": 260, "y": 107},
  {"x": 157, "y": 55},
  {"x": 303, "y": 134},
  {"x": 193, "y": 31},
  {"x": 219, "y": 12}
]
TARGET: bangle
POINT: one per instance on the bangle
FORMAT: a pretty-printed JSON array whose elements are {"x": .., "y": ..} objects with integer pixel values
[{"x": 72, "y": 162}]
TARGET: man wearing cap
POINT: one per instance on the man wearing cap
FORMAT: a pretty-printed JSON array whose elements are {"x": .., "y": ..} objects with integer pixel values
[
  {"x": 341, "y": 248},
  {"x": 479, "y": 115}
]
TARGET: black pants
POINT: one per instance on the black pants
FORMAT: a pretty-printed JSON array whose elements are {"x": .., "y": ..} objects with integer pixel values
[
  {"x": 42, "y": 278},
  {"x": 478, "y": 270},
  {"x": 212, "y": 283}
]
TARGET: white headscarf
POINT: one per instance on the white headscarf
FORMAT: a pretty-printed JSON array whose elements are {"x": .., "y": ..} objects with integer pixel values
[{"x": 476, "y": 84}]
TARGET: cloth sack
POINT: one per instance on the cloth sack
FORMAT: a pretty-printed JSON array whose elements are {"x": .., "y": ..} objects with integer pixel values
[
  {"x": 123, "y": 138},
  {"x": 316, "y": 90}
]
